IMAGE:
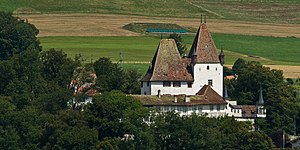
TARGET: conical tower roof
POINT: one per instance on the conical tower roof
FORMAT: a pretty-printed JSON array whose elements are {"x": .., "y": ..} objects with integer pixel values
[
  {"x": 203, "y": 49},
  {"x": 167, "y": 64},
  {"x": 261, "y": 98}
]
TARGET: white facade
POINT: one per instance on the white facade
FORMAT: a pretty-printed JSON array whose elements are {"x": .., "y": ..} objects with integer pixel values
[
  {"x": 208, "y": 74},
  {"x": 210, "y": 110},
  {"x": 204, "y": 74}
]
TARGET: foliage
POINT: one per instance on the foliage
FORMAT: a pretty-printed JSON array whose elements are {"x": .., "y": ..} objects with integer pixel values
[
  {"x": 16, "y": 36},
  {"x": 57, "y": 67},
  {"x": 179, "y": 42},
  {"x": 279, "y": 97},
  {"x": 111, "y": 76}
]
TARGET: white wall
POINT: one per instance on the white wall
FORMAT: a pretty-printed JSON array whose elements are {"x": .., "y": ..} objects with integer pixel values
[
  {"x": 200, "y": 109},
  {"x": 202, "y": 75},
  {"x": 183, "y": 89}
]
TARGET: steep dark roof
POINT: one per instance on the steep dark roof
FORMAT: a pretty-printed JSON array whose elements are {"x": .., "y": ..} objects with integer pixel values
[
  {"x": 203, "y": 49},
  {"x": 167, "y": 64}
]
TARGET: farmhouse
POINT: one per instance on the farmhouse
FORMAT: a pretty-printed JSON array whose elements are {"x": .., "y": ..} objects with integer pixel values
[{"x": 192, "y": 83}]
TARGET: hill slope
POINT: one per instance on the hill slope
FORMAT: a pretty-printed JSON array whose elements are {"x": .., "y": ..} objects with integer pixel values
[{"x": 286, "y": 11}]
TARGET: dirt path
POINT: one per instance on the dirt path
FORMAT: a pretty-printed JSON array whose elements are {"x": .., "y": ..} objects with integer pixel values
[{"x": 111, "y": 25}]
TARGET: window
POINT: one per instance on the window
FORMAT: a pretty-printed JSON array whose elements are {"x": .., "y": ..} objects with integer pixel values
[
  {"x": 216, "y": 69},
  {"x": 200, "y": 108},
  {"x": 218, "y": 107},
  {"x": 176, "y": 84},
  {"x": 142, "y": 84},
  {"x": 211, "y": 107},
  {"x": 210, "y": 82},
  {"x": 207, "y": 67},
  {"x": 190, "y": 84},
  {"x": 148, "y": 83},
  {"x": 166, "y": 84}
]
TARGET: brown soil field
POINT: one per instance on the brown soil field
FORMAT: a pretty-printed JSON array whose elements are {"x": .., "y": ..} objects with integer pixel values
[
  {"x": 288, "y": 71},
  {"x": 111, "y": 25}
]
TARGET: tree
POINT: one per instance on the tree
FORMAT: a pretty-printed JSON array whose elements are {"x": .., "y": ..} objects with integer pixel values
[
  {"x": 238, "y": 65},
  {"x": 179, "y": 42},
  {"x": 115, "y": 114},
  {"x": 131, "y": 83},
  {"x": 279, "y": 97},
  {"x": 109, "y": 75},
  {"x": 16, "y": 36},
  {"x": 57, "y": 67}
]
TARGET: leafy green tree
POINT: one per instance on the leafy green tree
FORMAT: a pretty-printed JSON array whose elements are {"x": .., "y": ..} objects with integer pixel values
[
  {"x": 115, "y": 114},
  {"x": 16, "y": 36},
  {"x": 179, "y": 42},
  {"x": 109, "y": 75},
  {"x": 131, "y": 83},
  {"x": 57, "y": 67},
  {"x": 238, "y": 65}
]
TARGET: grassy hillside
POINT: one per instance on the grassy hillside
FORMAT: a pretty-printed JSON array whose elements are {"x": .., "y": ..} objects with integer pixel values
[
  {"x": 274, "y": 50},
  {"x": 250, "y": 10},
  {"x": 268, "y": 50}
]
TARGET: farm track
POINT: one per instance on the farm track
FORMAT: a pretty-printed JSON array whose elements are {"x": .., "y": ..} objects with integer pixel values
[{"x": 111, "y": 25}]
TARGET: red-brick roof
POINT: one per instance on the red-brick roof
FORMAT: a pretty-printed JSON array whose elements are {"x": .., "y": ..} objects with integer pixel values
[
  {"x": 203, "y": 49},
  {"x": 167, "y": 64}
]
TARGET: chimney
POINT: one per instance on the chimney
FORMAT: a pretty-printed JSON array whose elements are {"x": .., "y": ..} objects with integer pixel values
[
  {"x": 175, "y": 99},
  {"x": 187, "y": 99}
]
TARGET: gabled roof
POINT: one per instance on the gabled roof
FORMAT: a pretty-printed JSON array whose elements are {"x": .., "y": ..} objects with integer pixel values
[
  {"x": 203, "y": 49},
  {"x": 167, "y": 64},
  {"x": 209, "y": 93}
]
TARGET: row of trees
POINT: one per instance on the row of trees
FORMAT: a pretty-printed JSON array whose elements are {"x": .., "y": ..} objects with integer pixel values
[
  {"x": 117, "y": 121},
  {"x": 280, "y": 98}
]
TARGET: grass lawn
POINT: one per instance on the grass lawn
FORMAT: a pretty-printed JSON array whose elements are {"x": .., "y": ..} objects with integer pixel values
[
  {"x": 273, "y": 50},
  {"x": 132, "y": 48},
  {"x": 267, "y": 50}
]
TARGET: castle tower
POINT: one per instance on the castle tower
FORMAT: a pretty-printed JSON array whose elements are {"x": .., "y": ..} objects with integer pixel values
[{"x": 205, "y": 62}]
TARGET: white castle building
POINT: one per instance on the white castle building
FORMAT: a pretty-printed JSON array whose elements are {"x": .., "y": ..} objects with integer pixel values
[{"x": 192, "y": 84}]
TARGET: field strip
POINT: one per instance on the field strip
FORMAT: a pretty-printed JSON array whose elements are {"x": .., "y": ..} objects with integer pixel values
[
  {"x": 288, "y": 71},
  {"x": 111, "y": 25},
  {"x": 198, "y": 6}
]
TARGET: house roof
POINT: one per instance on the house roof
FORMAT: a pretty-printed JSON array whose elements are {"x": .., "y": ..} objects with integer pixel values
[
  {"x": 248, "y": 111},
  {"x": 206, "y": 97},
  {"x": 208, "y": 92},
  {"x": 167, "y": 64},
  {"x": 203, "y": 49}
]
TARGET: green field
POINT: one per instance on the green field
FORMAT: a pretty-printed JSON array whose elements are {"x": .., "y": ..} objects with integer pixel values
[
  {"x": 268, "y": 50},
  {"x": 286, "y": 11}
]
